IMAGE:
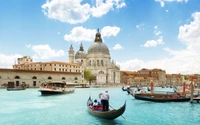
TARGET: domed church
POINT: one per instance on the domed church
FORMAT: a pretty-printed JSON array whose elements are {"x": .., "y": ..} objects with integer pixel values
[{"x": 97, "y": 60}]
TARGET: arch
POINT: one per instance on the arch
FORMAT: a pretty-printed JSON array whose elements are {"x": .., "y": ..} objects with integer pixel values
[
  {"x": 34, "y": 77},
  {"x": 101, "y": 72},
  {"x": 75, "y": 78},
  {"x": 63, "y": 78},
  {"x": 17, "y": 77},
  {"x": 49, "y": 77}
]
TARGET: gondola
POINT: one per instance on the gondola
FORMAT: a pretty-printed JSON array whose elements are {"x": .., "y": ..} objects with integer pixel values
[
  {"x": 110, "y": 115},
  {"x": 127, "y": 89},
  {"x": 124, "y": 89},
  {"x": 161, "y": 97}
]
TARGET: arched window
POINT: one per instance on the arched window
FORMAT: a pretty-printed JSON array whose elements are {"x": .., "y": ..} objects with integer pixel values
[
  {"x": 75, "y": 78},
  {"x": 63, "y": 78},
  {"x": 17, "y": 77},
  {"x": 34, "y": 77},
  {"x": 101, "y": 72},
  {"x": 49, "y": 77}
]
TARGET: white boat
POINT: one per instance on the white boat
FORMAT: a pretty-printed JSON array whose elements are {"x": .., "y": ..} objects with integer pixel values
[{"x": 56, "y": 87}]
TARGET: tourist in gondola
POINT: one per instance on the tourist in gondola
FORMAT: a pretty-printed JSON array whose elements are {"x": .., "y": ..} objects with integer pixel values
[{"x": 104, "y": 100}]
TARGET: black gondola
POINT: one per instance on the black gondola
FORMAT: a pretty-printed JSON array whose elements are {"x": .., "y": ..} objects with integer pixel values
[
  {"x": 161, "y": 97},
  {"x": 110, "y": 115}
]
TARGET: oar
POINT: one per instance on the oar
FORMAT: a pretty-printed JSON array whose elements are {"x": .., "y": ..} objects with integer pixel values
[{"x": 121, "y": 115}]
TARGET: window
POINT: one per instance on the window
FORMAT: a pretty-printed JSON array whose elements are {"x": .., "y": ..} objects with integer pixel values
[
  {"x": 34, "y": 83},
  {"x": 17, "y": 77},
  {"x": 63, "y": 78},
  {"x": 49, "y": 77},
  {"x": 17, "y": 83},
  {"x": 34, "y": 77}
]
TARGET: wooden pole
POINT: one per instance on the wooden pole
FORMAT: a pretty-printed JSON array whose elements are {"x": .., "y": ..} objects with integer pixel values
[
  {"x": 184, "y": 85},
  {"x": 121, "y": 115},
  {"x": 151, "y": 87},
  {"x": 192, "y": 92}
]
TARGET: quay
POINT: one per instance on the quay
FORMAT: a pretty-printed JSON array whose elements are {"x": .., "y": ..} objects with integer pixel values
[{"x": 192, "y": 93}]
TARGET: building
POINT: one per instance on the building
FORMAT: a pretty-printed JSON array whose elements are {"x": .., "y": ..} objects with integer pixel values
[
  {"x": 98, "y": 61},
  {"x": 34, "y": 73},
  {"x": 34, "y": 78},
  {"x": 143, "y": 77}
]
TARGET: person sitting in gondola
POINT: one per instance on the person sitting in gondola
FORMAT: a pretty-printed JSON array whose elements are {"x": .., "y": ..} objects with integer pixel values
[{"x": 95, "y": 103}]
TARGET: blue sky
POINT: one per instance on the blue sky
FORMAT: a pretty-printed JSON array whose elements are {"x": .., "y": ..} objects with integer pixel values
[{"x": 139, "y": 33}]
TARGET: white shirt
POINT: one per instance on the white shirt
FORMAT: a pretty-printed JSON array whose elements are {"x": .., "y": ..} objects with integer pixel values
[{"x": 104, "y": 96}]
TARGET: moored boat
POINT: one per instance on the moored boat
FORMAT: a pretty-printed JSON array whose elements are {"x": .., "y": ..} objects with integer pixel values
[
  {"x": 11, "y": 87},
  {"x": 174, "y": 97},
  {"x": 53, "y": 88},
  {"x": 110, "y": 115}
]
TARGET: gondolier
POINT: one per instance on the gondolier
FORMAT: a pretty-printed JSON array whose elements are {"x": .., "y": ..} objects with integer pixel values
[{"x": 104, "y": 100}]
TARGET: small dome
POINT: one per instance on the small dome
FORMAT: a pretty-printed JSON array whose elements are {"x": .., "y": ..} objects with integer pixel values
[
  {"x": 98, "y": 47},
  {"x": 80, "y": 54}
]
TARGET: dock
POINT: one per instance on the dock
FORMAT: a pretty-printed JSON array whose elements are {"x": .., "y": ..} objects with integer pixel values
[{"x": 192, "y": 98}]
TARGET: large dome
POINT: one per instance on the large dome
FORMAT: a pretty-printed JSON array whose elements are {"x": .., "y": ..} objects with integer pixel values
[{"x": 98, "y": 47}]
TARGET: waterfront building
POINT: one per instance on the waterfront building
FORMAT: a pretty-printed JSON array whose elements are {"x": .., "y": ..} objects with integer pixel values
[
  {"x": 34, "y": 73},
  {"x": 34, "y": 78},
  {"x": 143, "y": 77}
]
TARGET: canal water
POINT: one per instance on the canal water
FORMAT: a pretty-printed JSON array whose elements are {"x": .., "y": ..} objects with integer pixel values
[{"x": 28, "y": 107}]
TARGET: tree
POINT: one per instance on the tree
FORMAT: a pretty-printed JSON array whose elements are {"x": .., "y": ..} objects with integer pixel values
[{"x": 89, "y": 76}]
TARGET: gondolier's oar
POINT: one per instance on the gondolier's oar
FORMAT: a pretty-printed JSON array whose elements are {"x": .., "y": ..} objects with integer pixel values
[{"x": 120, "y": 115}]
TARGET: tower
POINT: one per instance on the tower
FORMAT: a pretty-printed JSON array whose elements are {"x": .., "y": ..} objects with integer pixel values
[{"x": 71, "y": 54}]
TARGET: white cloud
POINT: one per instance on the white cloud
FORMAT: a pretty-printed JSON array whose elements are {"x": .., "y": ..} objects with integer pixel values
[
  {"x": 185, "y": 61},
  {"x": 110, "y": 31},
  {"x": 6, "y": 61},
  {"x": 102, "y": 7},
  {"x": 140, "y": 26},
  {"x": 167, "y": 10},
  {"x": 79, "y": 34},
  {"x": 118, "y": 47},
  {"x": 157, "y": 33},
  {"x": 153, "y": 43},
  {"x": 162, "y": 2},
  {"x": 73, "y": 12},
  {"x": 70, "y": 11},
  {"x": 189, "y": 34},
  {"x": 45, "y": 52},
  {"x": 131, "y": 64}
]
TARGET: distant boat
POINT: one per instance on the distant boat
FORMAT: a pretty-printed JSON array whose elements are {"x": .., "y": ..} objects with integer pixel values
[
  {"x": 11, "y": 87},
  {"x": 53, "y": 88},
  {"x": 110, "y": 115}
]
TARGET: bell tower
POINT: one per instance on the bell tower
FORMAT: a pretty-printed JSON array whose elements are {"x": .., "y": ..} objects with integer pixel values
[{"x": 71, "y": 54}]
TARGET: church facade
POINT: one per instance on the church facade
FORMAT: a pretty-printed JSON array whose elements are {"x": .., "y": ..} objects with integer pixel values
[{"x": 97, "y": 60}]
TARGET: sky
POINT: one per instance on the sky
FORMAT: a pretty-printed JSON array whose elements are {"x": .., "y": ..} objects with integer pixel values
[{"x": 150, "y": 34}]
